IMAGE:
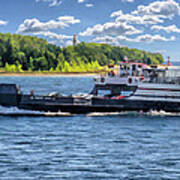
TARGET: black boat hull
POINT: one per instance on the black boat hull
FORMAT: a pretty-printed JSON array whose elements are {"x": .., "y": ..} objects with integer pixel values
[
  {"x": 10, "y": 95},
  {"x": 102, "y": 105}
]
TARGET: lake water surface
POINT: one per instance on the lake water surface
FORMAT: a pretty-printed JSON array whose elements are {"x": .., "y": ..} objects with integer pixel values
[{"x": 80, "y": 147}]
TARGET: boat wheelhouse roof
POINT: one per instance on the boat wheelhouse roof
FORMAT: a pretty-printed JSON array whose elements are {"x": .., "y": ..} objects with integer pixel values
[{"x": 133, "y": 63}]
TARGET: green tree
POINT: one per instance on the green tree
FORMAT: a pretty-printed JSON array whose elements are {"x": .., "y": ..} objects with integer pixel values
[
  {"x": 36, "y": 54},
  {"x": 67, "y": 67}
]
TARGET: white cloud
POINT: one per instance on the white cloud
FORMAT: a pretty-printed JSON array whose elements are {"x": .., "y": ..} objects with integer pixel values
[
  {"x": 52, "y": 42},
  {"x": 34, "y": 25},
  {"x": 80, "y": 1},
  {"x": 125, "y": 25},
  {"x": 3, "y": 23},
  {"x": 168, "y": 29},
  {"x": 68, "y": 19},
  {"x": 51, "y": 2},
  {"x": 130, "y": 1},
  {"x": 160, "y": 51},
  {"x": 107, "y": 40},
  {"x": 89, "y": 5},
  {"x": 133, "y": 19},
  {"x": 110, "y": 28},
  {"x": 68, "y": 43},
  {"x": 165, "y": 9},
  {"x": 146, "y": 38},
  {"x": 55, "y": 38},
  {"x": 117, "y": 13}
]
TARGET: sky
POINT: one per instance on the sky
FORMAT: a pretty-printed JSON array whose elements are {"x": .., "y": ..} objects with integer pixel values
[{"x": 151, "y": 25}]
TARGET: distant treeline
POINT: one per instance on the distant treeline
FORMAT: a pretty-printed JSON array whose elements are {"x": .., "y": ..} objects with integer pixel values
[{"x": 28, "y": 53}]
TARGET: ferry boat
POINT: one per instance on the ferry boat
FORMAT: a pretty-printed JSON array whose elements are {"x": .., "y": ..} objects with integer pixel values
[
  {"x": 127, "y": 86},
  {"x": 148, "y": 87}
]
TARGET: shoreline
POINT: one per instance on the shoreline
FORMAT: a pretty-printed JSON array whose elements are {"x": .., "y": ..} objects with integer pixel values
[{"x": 46, "y": 74}]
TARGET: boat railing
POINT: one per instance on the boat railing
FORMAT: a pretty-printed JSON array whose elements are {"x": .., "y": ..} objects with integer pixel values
[
  {"x": 42, "y": 98},
  {"x": 163, "y": 80}
]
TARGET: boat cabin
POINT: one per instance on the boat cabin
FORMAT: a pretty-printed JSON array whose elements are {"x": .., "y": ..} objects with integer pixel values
[
  {"x": 131, "y": 69},
  {"x": 165, "y": 75},
  {"x": 123, "y": 77}
]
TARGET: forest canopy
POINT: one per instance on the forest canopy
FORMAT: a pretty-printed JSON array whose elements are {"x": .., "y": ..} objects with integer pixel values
[{"x": 20, "y": 53}]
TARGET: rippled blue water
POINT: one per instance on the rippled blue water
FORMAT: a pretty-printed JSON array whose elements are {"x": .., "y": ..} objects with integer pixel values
[{"x": 122, "y": 146}]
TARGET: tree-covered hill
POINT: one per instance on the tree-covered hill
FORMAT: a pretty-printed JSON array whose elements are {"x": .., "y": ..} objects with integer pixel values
[{"x": 28, "y": 53}]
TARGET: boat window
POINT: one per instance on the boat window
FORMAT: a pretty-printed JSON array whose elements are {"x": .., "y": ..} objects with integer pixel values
[
  {"x": 126, "y": 93},
  {"x": 121, "y": 67},
  {"x": 104, "y": 92},
  {"x": 172, "y": 76},
  {"x": 146, "y": 74},
  {"x": 133, "y": 67}
]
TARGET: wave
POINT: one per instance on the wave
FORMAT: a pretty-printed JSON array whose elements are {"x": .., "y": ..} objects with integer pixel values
[
  {"x": 134, "y": 113},
  {"x": 106, "y": 114},
  {"x": 14, "y": 111},
  {"x": 161, "y": 113},
  {"x": 58, "y": 114}
]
